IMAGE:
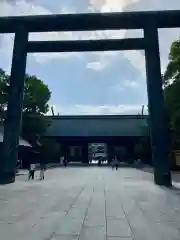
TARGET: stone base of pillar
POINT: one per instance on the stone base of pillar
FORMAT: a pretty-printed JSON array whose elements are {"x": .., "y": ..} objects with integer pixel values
[
  {"x": 7, "y": 177},
  {"x": 162, "y": 179}
]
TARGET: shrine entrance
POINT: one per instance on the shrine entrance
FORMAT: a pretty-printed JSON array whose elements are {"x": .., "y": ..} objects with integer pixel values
[
  {"x": 147, "y": 21},
  {"x": 97, "y": 152}
]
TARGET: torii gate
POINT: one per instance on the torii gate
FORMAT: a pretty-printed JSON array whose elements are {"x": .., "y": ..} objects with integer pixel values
[{"x": 148, "y": 21}]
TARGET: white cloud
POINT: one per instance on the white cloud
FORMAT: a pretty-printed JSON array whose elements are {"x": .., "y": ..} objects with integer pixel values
[
  {"x": 30, "y": 8},
  {"x": 152, "y": 5},
  {"x": 124, "y": 85},
  {"x": 132, "y": 5},
  {"x": 166, "y": 36},
  {"x": 44, "y": 58},
  {"x": 117, "y": 87},
  {"x": 97, "y": 109},
  {"x": 137, "y": 59},
  {"x": 110, "y": 56},
  {"x": 130, "y": 84},
  {"x": 97, "y": 65},
  {"x": 109, "y": 5},
  {"x": 21, "y": 7}
]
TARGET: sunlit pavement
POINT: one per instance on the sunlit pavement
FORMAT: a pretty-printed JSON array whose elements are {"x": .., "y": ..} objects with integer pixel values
[{"x": 89, "y": 203}]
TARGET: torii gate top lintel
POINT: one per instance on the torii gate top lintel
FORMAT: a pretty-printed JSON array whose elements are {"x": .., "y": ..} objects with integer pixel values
[{"x": 91, "y": 21}]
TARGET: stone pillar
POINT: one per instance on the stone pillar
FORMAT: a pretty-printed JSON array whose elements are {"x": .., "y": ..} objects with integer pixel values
[
  {"x": 12, "y": 126},
  {"x": 158, "y": 117}
]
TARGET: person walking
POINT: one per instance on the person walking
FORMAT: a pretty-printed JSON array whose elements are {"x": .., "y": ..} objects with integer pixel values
[
  {"x": 65, "y": 162},
  {"x": 18, "y": 164},
  {"x": 115, "y": 163},
  {"x": 61, "y": 160},
  {"x": 32, "y": 170},
  {"x": 42, "y": 170}
]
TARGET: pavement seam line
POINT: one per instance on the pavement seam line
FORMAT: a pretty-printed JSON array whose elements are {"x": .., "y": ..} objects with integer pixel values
[
  {"x": 105, "y": 205},
  {"x": 133, "y": 236},
  {"x": 89, "y": 203},
  {"x": 73, "y": 202}
]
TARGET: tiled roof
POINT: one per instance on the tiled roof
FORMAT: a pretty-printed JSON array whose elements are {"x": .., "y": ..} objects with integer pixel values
[{"x": 87, "y": 126}]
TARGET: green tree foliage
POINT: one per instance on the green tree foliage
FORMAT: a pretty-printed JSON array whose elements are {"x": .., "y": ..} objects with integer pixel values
[
  {"x": 172, "y": 91},
  {"x": 3, "y": 93},
  {"x": 36, "y": 96},
  {"x": 50, "y": 150},
  {"x": 33, "y": 125},
  {"x": 172, "y": 99},
  {"x": 35, "y": 105},
  {"x": 173, "y": 69}
]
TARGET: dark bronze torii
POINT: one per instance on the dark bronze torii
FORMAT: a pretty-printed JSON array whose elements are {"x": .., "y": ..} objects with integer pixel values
[
  {"x": 148, "y": 21},
  {"x": 91, "y": 21}
]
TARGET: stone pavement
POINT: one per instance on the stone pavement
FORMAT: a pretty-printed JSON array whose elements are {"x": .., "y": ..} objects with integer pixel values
[
  {"x": 174, "y": 174},
  {"x": 89, "y": 203}
]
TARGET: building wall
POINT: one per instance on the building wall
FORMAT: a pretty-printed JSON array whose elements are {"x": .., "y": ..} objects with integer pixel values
[{"x": 89, "y": 126}]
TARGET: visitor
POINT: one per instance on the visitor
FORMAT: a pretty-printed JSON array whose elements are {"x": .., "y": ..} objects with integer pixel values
[
  {"x": 115, "y": 163},
  {"x": 42, "y": 170},
  {"x": 32, "y": 170},
  {"x": 61, "y": 160},
  {"x": 18, "y": 165},
  {"x": 65, "y": 162}
]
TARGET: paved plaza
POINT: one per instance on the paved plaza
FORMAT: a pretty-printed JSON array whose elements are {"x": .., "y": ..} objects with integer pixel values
[{"x": 89, "y": 204}]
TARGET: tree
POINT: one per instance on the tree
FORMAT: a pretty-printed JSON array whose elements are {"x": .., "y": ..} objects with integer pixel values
[
  {"x": 171, "y": 91},
  {"x": 173, "y": 69},
  {"x": 51, "y": 150},
  {"x": 35, "y": 105},
  {"x": 36, "y": 95},
  {"x": 172, "y": 97},
  {"x": 3, "y": 93},
  {"x": 33, "y": 125}
]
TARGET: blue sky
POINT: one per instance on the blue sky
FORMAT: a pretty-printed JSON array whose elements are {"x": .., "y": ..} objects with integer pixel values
[{"x": 89, "y": 83}]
